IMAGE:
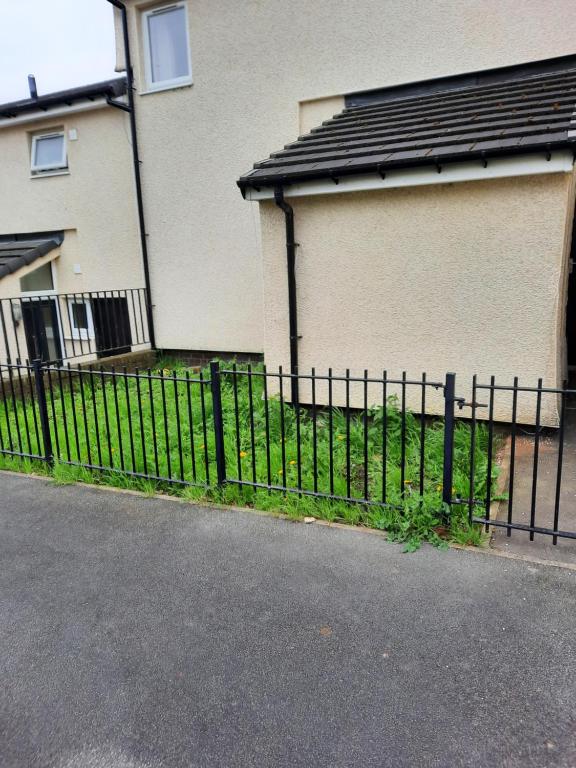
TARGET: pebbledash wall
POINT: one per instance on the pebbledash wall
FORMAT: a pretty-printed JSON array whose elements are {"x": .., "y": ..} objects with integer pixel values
[
  {"x": 94, "y": 203},
  {"x": 466, "y": 277},
  {"x": 254, "y": 65}
]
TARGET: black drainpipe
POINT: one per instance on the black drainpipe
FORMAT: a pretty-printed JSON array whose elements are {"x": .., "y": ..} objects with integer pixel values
[
  {"x": 136, "y": 159},
  {"x": 292, "y": 307}
]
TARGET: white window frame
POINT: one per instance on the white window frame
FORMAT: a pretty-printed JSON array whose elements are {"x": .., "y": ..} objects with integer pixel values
[
  {"x": 62, "y": 165},
  {"x": 176, "y": 82},
  {"x": 81, "y": 334}
]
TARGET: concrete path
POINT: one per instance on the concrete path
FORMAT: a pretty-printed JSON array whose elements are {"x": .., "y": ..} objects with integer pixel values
[{"x": 139, "y": 633}]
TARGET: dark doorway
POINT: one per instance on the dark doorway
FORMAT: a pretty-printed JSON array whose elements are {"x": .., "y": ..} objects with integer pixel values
[
  {"x": 42, "y": 330},
  {"x": 111, "y": 325}
]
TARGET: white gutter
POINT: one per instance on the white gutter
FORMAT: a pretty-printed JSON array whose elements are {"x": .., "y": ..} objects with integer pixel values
[
  {"x": 34, "y": 117},
  {"x": 561, "y": 161}
]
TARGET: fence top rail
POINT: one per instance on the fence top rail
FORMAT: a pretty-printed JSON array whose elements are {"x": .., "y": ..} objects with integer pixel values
[
  {"x": 16, "y": 366},
  {"x": 518, "y": 388},
  {"x": 333, "y": 377},
  {"x": 72, "y": 294},
  {"x": 119, "y": 373}
]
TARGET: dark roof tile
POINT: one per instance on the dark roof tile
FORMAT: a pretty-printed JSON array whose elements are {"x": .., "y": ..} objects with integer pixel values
[
  {"x": 527, "y": 113},
  {"x": 17, "y": 251}
]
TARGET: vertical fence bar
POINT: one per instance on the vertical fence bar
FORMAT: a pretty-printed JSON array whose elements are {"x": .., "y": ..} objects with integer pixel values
[
  {"x": 191, "y": 426},
  {"x": 488, "y": 503},
  {"x": 118, "y": 422},
  {"x": 141, "y": 421},
  {"x": 64, "y": 414},
  {"x": 472, "y": 485},
  {"x": 129, "y": 413},
  {"x": 43, "y": 410},
  {"x": 512, "y": 456},
  {"x": 384, "y": 432},
  {"x": 348, "y": 464},
  {"x": 73, "y": 408},
  {"x": 178, "y": 425},
  {"x": 282, "y": 425},
  {"x": 215, "y": 387},
  {"x": 422, "y": 434},
  {"x": 403, "y": 437},
  {"x": 314, "y": 434},
  {"x": 366, "y": 484},
  {"x": 330, "y": 432},
  {"x": 85, "y": 414},
  {"x": 237, "y": 421},
  {"x": 267, "y": 426},
  {"x": 252, "y": 434},
  {"x": 204, "y": 427},
  {"x": 559, "y": 467},
  {"x": 6, "y": 411},
  {"x": 447, "y": 475},
  {"x": 103, "y": 386},
  {"x": 536, "y": 453}
]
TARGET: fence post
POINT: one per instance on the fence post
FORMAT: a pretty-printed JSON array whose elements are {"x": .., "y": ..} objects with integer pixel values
[
  {"x": 218, "y": 423},
  {"x": 449, "y": 402},
  {"x": 43, "y": 410}
]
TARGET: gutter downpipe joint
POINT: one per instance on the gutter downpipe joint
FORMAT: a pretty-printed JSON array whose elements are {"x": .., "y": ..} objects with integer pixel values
[
  {"x": 136, "y": 160},
  {"x": 291, "y": 246}
]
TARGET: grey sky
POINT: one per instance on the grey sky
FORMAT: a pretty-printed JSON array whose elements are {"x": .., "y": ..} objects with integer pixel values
[{"x": 63, "y": 42}]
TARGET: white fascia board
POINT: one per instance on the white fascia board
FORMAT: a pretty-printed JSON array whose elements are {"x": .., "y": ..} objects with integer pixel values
[
  {"x": 34, "y": 117},
  {"x": 561, "y": 161}
]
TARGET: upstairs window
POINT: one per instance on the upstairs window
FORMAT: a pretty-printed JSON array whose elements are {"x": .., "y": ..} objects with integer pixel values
[
  {"x": 49, "y": 152},
  {"x": 167, "y": 51}
]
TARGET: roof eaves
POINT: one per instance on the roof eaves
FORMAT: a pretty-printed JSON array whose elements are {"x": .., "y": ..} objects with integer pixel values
[
  {"x": 29, "y": 256},
  {"x": 108, "y": 88}
]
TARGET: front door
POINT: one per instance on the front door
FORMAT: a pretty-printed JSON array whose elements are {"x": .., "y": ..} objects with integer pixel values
[{"x": 42, "y": 330}]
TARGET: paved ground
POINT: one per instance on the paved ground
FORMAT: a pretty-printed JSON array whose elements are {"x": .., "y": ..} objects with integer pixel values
[
  {"x": 143, "y": 633},
  {"x": 519, "y": 541}
]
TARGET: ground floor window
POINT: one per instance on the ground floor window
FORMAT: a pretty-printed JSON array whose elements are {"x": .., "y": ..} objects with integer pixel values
[{"x": 81, "y": 320}]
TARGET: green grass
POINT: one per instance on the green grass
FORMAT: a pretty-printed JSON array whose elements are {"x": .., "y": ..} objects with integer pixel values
[{"x": 174, "y": 412}]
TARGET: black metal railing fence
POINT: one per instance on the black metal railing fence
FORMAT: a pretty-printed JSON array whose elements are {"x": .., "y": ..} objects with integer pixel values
[{"x": 371, "y": 441}]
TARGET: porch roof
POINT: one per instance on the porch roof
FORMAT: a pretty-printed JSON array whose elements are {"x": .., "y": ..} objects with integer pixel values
[
  {"x": 520, "y": 114},
  {"x": 17, "y": 251}
]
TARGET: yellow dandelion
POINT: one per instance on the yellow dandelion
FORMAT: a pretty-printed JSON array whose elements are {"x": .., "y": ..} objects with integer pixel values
[
  {"x": 339, "y": 437},
  {"x": 292, "y": 461},
  {"x": 407, "y": 482},
  {"x": 280, "y": 472},
  {"x": 243, "y": 454},
  {"x": 166, "y": 371},
  {"x": 438, "y": 487}
]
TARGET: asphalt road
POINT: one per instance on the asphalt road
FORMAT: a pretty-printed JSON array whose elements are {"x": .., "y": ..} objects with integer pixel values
[{"x": 139, "y": 632}]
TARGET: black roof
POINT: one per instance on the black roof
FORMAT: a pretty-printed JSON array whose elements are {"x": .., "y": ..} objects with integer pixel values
[
  {"x": 17, "y": 251},
  {"x": 111, "y": 88},
  {"x": 522, "y": 114}
]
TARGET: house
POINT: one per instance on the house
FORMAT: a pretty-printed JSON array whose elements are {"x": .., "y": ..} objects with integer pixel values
[
  {"x": 434, "y": 231},
  {"x": 71, "y": 282},
  {"x": 220, "y": 85}
]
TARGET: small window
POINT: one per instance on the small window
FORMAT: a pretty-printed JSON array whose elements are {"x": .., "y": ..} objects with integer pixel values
[
  {"x": 167, "y": 49},
  {"x": 48, "y": 152},
  {"x": 81, "y": 323},
  {"x": 40, "y": 280}
]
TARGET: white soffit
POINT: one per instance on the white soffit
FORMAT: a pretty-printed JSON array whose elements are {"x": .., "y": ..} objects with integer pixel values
[{"x": 561, "y": 161}]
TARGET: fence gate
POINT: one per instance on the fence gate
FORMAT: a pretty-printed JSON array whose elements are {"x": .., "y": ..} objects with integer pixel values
[{"x": 530, "y": 467}]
